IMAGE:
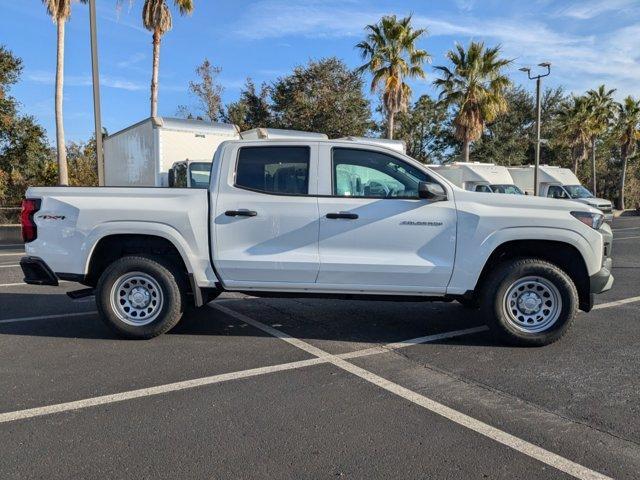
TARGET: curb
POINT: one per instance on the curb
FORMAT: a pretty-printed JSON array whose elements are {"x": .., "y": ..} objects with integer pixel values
[
  {"x": 631, "y": 212},
  {"x": 10, "y": 234}
]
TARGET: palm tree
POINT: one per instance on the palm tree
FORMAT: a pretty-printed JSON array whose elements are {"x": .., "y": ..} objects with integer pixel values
[
  {"x": 574, "y": 130},
  {"x": 476, "y": 87},
  {"x": 60, "y": 10},
  {"x": 391, "y": 54},
  {"x": 156, "y": 17},
  {"x": 629, "y": 128},
  {"x": 600, "y": 106}
]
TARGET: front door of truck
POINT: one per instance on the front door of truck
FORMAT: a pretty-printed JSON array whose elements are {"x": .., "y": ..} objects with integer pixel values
[
  {"x": 376, "y": 234},
  {"x": 265, "y": 225}
]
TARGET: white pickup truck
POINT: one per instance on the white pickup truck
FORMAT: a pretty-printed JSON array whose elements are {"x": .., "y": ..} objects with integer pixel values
[{"x": 328, "y": 218}]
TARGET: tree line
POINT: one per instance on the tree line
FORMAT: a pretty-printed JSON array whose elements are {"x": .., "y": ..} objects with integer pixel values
[{"x": 478, "y": 114}]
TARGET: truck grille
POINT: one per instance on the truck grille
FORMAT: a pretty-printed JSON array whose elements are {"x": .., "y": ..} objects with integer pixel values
[{"x": 605, "y": 208}]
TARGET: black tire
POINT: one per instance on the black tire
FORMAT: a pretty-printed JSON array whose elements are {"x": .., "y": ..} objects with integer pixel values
[
  {"x": 506, "y": 318},
  {"x": 169, "y": 288}
]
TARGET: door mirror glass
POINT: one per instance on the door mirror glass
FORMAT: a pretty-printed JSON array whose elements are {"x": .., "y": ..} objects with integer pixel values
[{"x": 431, "y": 191}]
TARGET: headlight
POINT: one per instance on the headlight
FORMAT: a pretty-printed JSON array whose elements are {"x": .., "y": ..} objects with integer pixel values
[{"x": 593, "y": 220}]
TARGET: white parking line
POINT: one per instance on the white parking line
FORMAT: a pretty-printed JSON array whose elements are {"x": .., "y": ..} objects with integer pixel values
[
  {"x": 626, "y": 238},
  {"x": 626, "y": 228},
  {"x": 11, "y": 254},
  {"x": 46, "y": 317},
  {"x": 10, "y": 266},
  {"x": 616, "y": 303},
  {"x": 199, "y": 382},
  {"x": 12, "y": 284},
  {"x": 22, "y": 283},
  {"x": 146, "y": 392},
  {"x": 500, "y": 436},
  {"x": 2, "y": 245}
]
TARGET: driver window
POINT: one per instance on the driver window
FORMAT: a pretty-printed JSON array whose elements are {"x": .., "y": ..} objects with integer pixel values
[
  {"x": 369, "y": 174},
  {"x": 556, "y": 192}
]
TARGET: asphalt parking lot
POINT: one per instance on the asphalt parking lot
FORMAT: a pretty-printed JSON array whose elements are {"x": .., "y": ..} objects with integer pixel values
[{"x": 300, "y": 388}]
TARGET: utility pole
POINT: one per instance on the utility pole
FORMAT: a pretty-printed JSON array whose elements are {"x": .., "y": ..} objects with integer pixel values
[
  {"x": 538, "y": 79},
  {"x": 96, "y": 90}
]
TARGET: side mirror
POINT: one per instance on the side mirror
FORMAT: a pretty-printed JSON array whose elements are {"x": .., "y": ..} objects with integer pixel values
[{"x": 431, "y": 191}]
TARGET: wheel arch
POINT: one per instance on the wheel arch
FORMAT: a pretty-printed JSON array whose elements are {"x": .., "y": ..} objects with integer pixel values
[
  {"x": 112, "y": 246},
  {"x": 562, "y": 254}
]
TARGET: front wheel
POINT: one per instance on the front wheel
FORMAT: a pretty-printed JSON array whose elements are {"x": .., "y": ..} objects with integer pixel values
[
  {"x": 529, "y": 302},
  {"x": 140, "y": 297}
]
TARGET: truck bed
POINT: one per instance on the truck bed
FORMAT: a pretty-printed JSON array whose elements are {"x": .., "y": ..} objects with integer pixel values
[{"x": 71, "y": 220}]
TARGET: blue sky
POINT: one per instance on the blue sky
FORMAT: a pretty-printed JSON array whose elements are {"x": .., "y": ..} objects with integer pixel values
[{"x": 588, "y": 42}]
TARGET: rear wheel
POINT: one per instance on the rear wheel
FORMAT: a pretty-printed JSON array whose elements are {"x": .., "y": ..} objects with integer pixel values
[
  {"x": 529, "y": 302},
  {"x": 140, "y": 297}
]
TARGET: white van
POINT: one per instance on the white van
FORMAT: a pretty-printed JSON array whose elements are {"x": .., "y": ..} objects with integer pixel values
[
  {"x": 557, "y": 182},
  {"x": 479, "y": 177}
]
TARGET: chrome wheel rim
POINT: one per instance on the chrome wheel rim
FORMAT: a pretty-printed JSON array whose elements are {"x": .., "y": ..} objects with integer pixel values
[
  {"x": 136, "y": 298},
  {"x": 532, "y": 304}
]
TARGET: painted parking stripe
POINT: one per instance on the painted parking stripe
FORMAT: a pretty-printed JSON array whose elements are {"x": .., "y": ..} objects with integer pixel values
[
  {"x": 616, "y": 303},
  {"x": 147, "y": 392},
  {"x": 119, "y": 397},
  {"x": 626, "y": 238},
  {"x": 10, "y": 266},
  {"x": 17, "y": 284},
  {"x": 414, "y": 341},
  {"x": 11, "y": 254},
  {"x": 626, "y": 228},
  {"x": 199, "y": 382},
  {"x": 534, "y": 451},
  {"x": 47, "y": 317}
]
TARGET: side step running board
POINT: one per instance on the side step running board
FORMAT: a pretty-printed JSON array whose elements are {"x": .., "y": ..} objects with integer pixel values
[{"x": 82, "y": 293}]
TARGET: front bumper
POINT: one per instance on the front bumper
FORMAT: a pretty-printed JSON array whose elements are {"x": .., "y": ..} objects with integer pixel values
[
  {"x": 602, "y": 280},
  {"x": 37, "y": 272}
]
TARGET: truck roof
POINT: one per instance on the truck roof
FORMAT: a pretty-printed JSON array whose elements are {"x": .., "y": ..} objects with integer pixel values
[
  {"x": 479, "y": 172},
  {"x": 186, "y": 125}
]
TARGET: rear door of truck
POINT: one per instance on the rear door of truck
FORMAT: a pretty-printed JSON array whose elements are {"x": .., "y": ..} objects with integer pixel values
[{"x": 265, "y": 220}]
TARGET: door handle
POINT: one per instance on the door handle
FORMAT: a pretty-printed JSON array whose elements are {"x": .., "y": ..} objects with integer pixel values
[
  {"x": 347, "y": 215},
  {"x": 241, "y": 213}
]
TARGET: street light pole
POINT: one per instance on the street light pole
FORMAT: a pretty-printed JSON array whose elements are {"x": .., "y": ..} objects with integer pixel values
[
  {"x": 96, "y": 90},
  {"x": 538, "y": 79}
]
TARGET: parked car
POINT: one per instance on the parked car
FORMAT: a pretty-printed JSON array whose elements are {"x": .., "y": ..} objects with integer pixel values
[
  {"x": 316, "y": 217},
  {"x": 557, "y": 182}
]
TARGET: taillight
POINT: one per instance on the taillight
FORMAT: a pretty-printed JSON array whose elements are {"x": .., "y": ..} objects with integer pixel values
[{"x": 29, "y": 230}]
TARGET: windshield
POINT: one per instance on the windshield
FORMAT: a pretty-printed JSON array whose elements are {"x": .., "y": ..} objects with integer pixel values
[
  {"x": 509, "y": 189},
  {"x": 578, "y": 191},
  {"x": 199, "y": 173}
]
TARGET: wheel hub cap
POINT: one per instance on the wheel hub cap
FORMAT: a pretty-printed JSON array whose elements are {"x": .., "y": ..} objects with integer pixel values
[
  {"x": 529, "y": 302},
  {"x": 532, "y": 304},
  {"x": 137, "y": 298}
]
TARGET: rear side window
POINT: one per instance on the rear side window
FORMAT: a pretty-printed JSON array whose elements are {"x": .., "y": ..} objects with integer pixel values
[{"x": 275, "y": 170}]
